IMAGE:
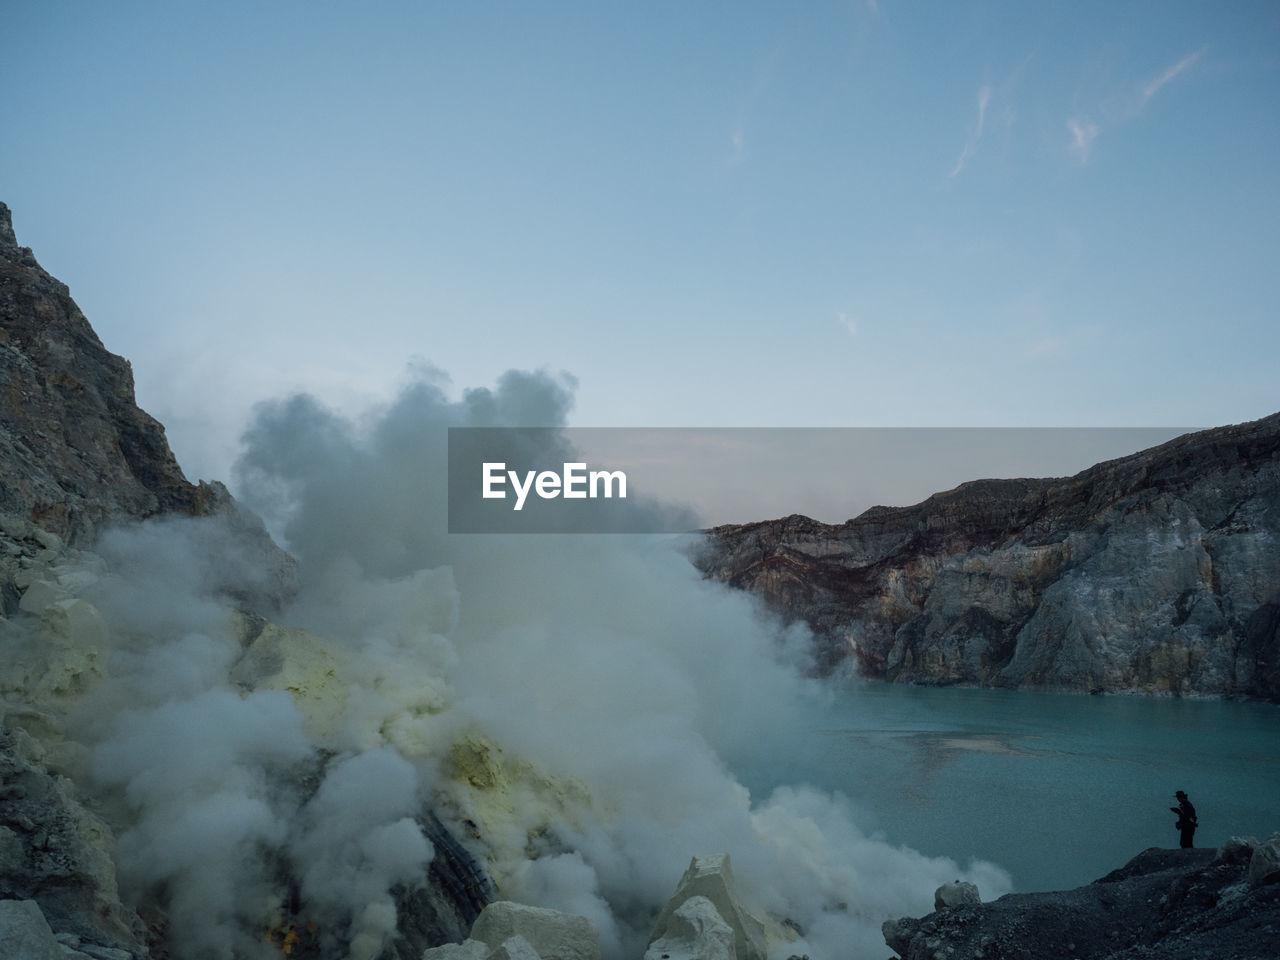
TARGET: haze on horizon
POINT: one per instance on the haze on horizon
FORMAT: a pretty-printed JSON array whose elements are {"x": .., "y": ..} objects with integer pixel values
[{"x": 755, "y": 216}]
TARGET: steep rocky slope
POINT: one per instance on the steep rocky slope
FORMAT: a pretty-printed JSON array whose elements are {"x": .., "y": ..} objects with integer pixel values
[
  {"x": 76, "y": 452},
  {"x": 1156, "y": 573},
  {"x": 78, "y": 457}
]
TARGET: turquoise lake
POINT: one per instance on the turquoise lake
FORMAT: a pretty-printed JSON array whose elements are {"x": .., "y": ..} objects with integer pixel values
[{"x": 1057, "y": 789}]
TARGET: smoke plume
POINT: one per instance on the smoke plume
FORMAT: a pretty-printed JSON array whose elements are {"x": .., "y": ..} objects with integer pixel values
[{"x": 589, "y": 703}]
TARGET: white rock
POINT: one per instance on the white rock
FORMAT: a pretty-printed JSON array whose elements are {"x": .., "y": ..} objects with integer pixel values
[
  {"x": 50, "y": 541},
  {"x": 954, "y": 894},
  {"x": 25, "y": 933},
  {"x": 467, "y": 950},
  {"x": 75, "y": 578},
  {"x": 39, "y": 594},
  {"x": 514, "y": 948},
  {"x": 712, "y": 877},
  {"x": 552, "y": 935},
  {"x": 696, "y": 931},
  {"x": 1264, "y": 864}
]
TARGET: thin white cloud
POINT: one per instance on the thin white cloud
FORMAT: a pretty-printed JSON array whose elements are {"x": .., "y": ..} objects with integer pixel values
[
  {"x": 971, "y": 145},
  {"x": 849, "y": 322},
  {"x": 1154, "y": 87},
  {"x": 1083, "y": 132}
]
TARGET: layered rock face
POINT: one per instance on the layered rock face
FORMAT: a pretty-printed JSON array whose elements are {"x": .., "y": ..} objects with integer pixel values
[{"x": 1154, "y": 573}]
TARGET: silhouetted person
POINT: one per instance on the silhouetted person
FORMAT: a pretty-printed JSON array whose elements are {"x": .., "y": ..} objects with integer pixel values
[{"x": 1186, "y": 819}]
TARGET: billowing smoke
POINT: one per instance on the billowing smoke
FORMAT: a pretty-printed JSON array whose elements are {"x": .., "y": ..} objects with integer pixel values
[{"x": 588, "y": 704}]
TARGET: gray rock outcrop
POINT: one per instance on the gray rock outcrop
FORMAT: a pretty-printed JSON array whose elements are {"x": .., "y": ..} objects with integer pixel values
[
  {"x": 1155, "y": 573},
  {"x": 1172, "y": 904},
  {"x": 58, "y": 854},
  {"x": 25, "y": 933},
  {"x": 1264, "y": 862},
  {"x": 76, "y": 452}
]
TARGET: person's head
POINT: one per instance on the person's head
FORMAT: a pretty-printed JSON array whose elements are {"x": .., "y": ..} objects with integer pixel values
[{"x": 1180, "y": 795}]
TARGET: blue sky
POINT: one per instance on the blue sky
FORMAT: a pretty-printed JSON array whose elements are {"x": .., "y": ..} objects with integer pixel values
[{"x": 717, "y": 214}]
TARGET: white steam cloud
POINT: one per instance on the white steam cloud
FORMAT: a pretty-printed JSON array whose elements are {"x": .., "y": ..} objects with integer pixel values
[{"x": 588, "y": 705}]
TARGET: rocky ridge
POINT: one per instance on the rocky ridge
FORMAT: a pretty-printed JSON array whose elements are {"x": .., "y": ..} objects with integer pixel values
[
  {"x": 76, "y": 452},
  {"x": 1171, "y": 904},
  {"x": 1154, "y": 573}
]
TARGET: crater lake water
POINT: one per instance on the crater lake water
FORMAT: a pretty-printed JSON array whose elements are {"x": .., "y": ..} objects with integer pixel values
[{"x": 1058, "y": 789}]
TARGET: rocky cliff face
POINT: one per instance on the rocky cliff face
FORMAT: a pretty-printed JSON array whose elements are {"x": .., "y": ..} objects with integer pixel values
[
  {"x": 78, "y": 458},
  {"x": 1155, "y": 573},
  {"x": 76, "y": 452}
]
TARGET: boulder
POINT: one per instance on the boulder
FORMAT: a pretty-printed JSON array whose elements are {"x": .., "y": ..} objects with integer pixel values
[
  {"x": 467, "y": 950},
  {"x": 39, "y": 594},
  {"x": 551, "y": 934},
  {"x": 514, "y": 948},
  {"x": 954, "y": 894},
  {"x": 1264, "y": 864},
  {"x": 25, "y": 932},
  {"x": 711, "y": 877},
  {"x": 696, "y": 931}
]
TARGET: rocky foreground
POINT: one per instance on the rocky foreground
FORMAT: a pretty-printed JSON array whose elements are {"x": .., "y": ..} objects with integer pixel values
[
  {"x": 1167, "y": 904},
  {"x": 1155, "y": 573}
]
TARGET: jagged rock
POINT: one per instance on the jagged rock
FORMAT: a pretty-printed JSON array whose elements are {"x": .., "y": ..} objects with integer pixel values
[
  {"x": 55, "y": 852},
  {"x": 898, "y": 934},
  {"x": 954, "y": 894},
  {"x": 75, "y": 450},
  {"x": 552, "y": 934},
  {"x": 1152, "y": 573},
  {"x": 1171, "y": 904},
  {"x": 696, "y": 931},
  {"x": 442, "y": 910},
  {"x": 25, "y": 933},
  {"x": 711, "y": 877},
  {"x": 1264, "y": 863}
]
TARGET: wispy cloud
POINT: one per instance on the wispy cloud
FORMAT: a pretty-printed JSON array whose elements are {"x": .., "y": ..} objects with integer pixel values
[
  {"x": 849, "y": 322},
  {"x": 1154, "y": 87},
  {"x": 1083, "y": 132},
  {"x": 971, "y": 145}
]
